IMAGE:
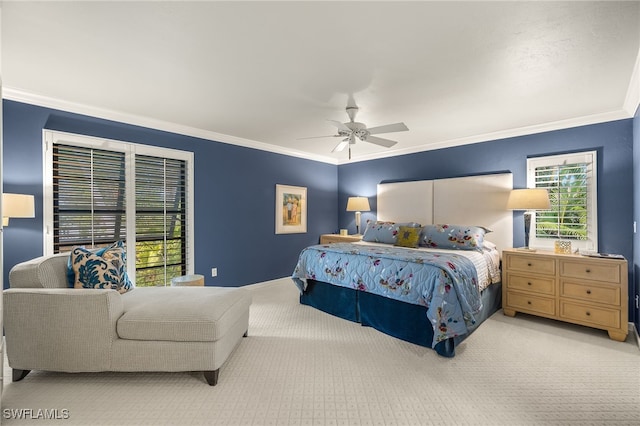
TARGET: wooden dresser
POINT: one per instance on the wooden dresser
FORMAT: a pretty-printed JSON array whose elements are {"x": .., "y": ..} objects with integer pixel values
[{"x": 578, "y": 289}]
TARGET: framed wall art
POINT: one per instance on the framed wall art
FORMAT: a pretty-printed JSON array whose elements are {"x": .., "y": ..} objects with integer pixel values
[{"x": 291, "y": 209}]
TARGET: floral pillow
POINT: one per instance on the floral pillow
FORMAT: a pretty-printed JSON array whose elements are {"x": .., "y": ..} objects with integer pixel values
[
  {"x": 105, "y": 268},
  {"x": 384, "y": 232},
  {"x": 457, "y": 237},
  {"x": 408, "y": 237}
]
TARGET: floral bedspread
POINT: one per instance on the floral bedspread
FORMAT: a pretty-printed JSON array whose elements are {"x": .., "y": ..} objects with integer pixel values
[{"x": 446, "y": 283}]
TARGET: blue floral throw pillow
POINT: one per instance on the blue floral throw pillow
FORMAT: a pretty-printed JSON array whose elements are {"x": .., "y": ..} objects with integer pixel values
[
  {"x": 456, "y": 237},
  {"x": 105, "y": 268}
]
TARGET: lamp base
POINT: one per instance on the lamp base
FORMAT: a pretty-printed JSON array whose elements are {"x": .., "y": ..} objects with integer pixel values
[{"x": 527, "y": 228}]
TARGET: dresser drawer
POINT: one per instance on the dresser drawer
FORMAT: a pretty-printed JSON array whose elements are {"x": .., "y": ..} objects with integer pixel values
[
  {"x": 591, "y": 292},
  {"x": 599, "y": 271},
  {"x": 590, "y": 315},
  {"x": 531, "y": 283},
  {"x": 529, "y": 303},
  {"x": 539, "y": 265}
]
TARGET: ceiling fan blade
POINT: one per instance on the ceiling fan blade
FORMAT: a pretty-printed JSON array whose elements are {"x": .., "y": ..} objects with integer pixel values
[
  {"x": 339, "y": 125},
  {"x": 380, "y": 141},
  {"x": 388, "y": 128},
  {"x": 318, "y": 137},
  {"x": 341, "y": 146}
]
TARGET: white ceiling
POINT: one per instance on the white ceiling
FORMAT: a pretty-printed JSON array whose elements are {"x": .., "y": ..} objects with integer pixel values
[{"x": 265, "y": 74}]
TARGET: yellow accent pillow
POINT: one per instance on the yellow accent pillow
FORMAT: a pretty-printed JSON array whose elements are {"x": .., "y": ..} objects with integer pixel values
[{"x": 408, "y": 237}]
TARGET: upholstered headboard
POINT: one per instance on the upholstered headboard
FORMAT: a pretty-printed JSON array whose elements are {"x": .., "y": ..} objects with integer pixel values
[{"x": 473, "y": 200}]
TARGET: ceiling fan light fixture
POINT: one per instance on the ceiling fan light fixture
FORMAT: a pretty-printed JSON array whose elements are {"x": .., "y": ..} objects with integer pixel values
[{"x": 354, "y": 129}]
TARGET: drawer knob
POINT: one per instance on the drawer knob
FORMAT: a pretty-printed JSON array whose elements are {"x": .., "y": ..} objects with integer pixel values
[
  {"x": 529, "y": 264},
  {"x": 528, "y": 283},
  {"x": 588, "y": 291},
  {"x": 528, "y": 302},
  {"x": 588, "y": 270},
  {"x": 588, "y": 313}
]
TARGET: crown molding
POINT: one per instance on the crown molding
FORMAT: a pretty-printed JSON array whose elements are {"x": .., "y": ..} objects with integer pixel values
[
  {"x": 632, "y": 100},
  {"x": 631, "y": 103},
  {"x": 137, "y": 120},
  {"x": 503, "y": 134}
]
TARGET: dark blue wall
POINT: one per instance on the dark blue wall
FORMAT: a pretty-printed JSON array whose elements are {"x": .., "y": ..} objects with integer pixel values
[
  {"x": 235, "y": 187},
  {"x": 234, "y": 195},
  {"x": 613, "y": 141}
]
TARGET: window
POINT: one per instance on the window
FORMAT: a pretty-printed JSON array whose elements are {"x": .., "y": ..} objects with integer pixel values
[
  {"x": 571, "y": 180},
  {"x": 101, "y": 191},
  {"x": 160, "y": 219}
]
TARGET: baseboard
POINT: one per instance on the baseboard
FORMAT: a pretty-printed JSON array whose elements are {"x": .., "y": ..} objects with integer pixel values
[{"x": 277, "y": 281}]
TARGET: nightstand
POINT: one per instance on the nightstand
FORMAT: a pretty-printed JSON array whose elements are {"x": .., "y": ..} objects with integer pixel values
[
  {"x": 582, "y": 290},
  {"x": 337, "y": 238}
]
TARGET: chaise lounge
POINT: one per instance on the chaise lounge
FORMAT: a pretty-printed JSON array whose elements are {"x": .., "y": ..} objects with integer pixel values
[{"x": 51, "y": 327}]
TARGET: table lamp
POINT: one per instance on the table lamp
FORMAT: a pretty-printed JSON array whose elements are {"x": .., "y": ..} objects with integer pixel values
[
  {"x": 17, "y": 205},
  {"x": 358, "y": 204},
  {"x": 529, "y": 199}
]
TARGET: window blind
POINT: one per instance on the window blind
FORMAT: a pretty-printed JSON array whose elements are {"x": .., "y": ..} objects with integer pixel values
[
  {"x": 568, "y": 186},
  {"x": 160, "y": 219},
  {"x": 119, "y": 191},
  {"x": 89, "y": 202}
]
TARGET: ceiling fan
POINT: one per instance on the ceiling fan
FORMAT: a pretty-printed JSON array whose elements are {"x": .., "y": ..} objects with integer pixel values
[{"x": 353, "y": 129}]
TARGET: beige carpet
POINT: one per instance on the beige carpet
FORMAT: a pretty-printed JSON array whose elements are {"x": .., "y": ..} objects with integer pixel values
[{"x": 300, "y": 366}]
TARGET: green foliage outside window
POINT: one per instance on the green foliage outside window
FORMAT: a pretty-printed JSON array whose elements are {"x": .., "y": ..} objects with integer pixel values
[
  {"x": 567, "y": 186},
  {"x": 153, "y": 262}
]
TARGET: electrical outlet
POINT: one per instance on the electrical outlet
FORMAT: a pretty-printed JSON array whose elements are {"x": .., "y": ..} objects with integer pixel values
[{"x": 214, "y": 272}]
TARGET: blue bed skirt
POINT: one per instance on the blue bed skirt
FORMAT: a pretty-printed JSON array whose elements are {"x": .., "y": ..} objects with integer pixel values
[{"x": 391, "y": 316}]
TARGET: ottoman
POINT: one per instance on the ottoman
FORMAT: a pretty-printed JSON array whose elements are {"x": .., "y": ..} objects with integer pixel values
[{"x": 203, "y": 317}]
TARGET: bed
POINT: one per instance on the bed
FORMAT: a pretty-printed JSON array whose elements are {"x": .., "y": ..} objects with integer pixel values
[{"x": 429, "y": 272}]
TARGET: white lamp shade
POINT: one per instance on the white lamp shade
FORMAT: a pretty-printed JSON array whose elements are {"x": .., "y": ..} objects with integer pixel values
[
  {"x": 18, "y": 205},
  {"x": 529, "y": 199},
  {"x": 358, "y": 204}
]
